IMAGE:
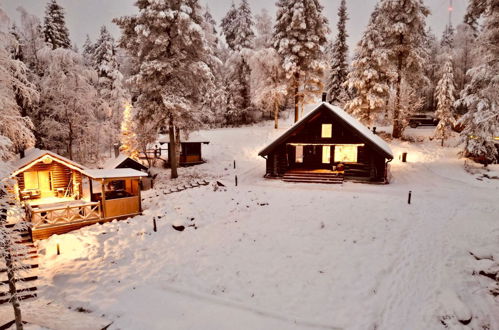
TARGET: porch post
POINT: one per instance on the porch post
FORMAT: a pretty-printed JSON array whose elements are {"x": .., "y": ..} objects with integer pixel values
[
  {"x": 139, "y": 184},
  {"x": 103, "y": 197}
]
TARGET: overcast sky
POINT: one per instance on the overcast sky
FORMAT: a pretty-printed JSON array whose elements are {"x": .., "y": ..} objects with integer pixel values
[{"x": 86, "y": 16}]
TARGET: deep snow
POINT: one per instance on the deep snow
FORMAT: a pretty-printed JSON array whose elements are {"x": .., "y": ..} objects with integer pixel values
[{"x": 275, "y": 255}]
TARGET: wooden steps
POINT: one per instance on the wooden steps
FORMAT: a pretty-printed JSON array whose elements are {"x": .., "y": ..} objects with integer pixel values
[
  {"x": 25, "y": 284},
  {"x": 313, "y": 177}
]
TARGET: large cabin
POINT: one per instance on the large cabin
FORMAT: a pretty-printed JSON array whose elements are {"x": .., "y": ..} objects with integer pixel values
[
  {"x": 328, "y": 145},
  {"x": 60, "y": 195}
]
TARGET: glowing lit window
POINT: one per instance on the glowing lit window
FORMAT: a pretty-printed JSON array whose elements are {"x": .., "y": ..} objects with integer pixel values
[
  {"x": 30, "y": 180},
  {"x": 299, "y": 154},
  {"x": 327, "y": 130},
  {"x": 345, "y": 154},
  {"x": 326, "y": 154}
]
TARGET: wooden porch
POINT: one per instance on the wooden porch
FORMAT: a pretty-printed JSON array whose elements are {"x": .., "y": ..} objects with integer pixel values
[{"x": 314, "y": 176}]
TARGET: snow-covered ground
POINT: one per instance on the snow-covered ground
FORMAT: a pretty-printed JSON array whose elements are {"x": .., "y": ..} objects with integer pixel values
[{"x": 273, "y": 255}]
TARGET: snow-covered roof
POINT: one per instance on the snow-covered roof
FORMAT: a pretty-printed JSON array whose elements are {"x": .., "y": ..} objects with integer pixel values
[
  {"x": 366, "y": 133},
  {"x": 114, "y": 173},
  {"x": 34, "y": 155},
  {"x": 114, "y": 162}
]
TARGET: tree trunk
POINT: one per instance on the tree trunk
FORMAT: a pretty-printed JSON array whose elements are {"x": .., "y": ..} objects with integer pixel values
[
  {"x": 11, "y": 276},
  {"x": 178, "y": 146},
  {"x": 70, "y": 141},
  {"x": 276, "y": 114},
  {"x": 297, "y": 96},
  {"x": 172, "y": 154},
  {"x": 397, "y": 125}
]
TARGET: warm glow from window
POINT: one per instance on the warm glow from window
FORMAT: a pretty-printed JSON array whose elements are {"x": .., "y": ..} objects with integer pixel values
[
  {"x": 345, "y": 154},
  {"x": 326, "y": 154},
  {"x": 299, "y": 154},
  {"x": 327, "y": 130},
  {"x": 30, "y": 180}
]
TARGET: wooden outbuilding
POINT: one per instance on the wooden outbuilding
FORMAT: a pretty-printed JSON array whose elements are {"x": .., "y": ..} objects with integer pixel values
[
  {"x": 60, "y": 195},
  {"x": 123, "y": 161},
  {"x": 190, "y": 152},
  {"x": 328, "y": 145}
]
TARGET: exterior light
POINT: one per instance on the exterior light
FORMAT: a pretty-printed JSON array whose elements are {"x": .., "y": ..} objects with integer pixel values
[{"x": 47, "y": 160}]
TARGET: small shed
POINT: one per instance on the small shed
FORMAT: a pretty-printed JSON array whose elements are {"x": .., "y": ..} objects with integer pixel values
[
  {"x": 123, "y": 161},
  {"x": 190, "y": 151},
  {"x": 327, "y": 144}
]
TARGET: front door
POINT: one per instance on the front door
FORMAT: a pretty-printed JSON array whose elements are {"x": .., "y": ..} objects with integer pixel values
[
  {"x": 45, "y": 184},
  {"x": 311, "y": 156}
]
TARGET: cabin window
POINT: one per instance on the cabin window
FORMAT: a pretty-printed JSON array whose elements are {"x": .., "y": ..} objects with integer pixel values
[
  {"x": 345, "y": 154},
  {"x": 31, "y": 180},
  {"x": 299, "y": 154},
  {"x": 326, "y": 154},
  {"x": 327, "y": 130}
]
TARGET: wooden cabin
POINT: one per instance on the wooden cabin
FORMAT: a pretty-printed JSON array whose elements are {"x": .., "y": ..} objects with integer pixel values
[
  {"x": 60, "y": 195},
  {"x": 327, "y": 146}
]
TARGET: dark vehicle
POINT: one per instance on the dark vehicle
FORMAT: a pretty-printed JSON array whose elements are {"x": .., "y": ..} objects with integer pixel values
[{"x": 422, "y": 120}]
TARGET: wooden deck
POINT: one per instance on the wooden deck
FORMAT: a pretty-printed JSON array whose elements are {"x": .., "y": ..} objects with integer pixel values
[{"x": 314, "y": 176}]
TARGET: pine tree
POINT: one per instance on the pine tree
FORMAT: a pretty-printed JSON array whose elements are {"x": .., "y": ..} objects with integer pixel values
[
  {"x": 88, "y": 51},
  {"x": 403, "y": 26},
  {"x": 464, "y": 46},
  {"x": 432, "y": 49},
  {"x": 32, "y": 40},
  {"x": 228, "y": 26},
  {"x": 339, "y": 57},
  {"x": 264, "y": 25},
  {"x": 448, "y": 37},
  {"x": 54, "y": 28},
  {"x": 445, "y": 96},
  {"x": 299, "y": 37},
  {"x": 172, "y": 80},
  {"x": 480, "y": 96},
  {"x": 368, "y": 79},
  {"x": 243, "y": 24}
]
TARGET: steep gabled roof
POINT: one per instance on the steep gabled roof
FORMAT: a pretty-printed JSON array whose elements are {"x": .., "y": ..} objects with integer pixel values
[
  {"x": 35, "y": 155},
  {"x": 365, "y": 133}
]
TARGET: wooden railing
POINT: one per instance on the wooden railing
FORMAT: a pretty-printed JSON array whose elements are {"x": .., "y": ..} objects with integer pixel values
[{"x": 46, "y": 217}]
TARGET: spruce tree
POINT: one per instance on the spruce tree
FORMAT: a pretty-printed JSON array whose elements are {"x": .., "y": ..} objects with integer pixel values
[
  {"x": 172, "y": 77},
  {"x": 480, "y": 95},
  {"x": 448, "y": 37},
  {"x": 227, "y": 25},
  {"x": 299, "y": 37},
  {"x": 243, "y": 24},
  {"x": 403, "y": 26},
  {"x": 368, "y": 79},
  {"x": 339, "y": 65},
  {"x": 445, "y": 97},
  {"x": 88, "y": 51},
  {"x": 54, "y": 27}
]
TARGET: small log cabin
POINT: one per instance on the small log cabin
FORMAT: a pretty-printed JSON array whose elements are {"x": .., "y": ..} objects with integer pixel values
[
  {"x": 190, "y": 152},
  {"x": 326, "y": 146},
  {"x": 60, "y": 195}
]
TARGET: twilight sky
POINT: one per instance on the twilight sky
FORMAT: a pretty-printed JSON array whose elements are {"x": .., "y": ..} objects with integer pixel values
[{"x": 86, "y": 16}]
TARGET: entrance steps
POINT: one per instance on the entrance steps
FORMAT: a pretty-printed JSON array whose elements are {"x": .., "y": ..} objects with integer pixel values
[{"x": 326, "y": 177}]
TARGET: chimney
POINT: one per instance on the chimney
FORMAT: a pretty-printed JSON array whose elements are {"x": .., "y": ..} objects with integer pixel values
[
  {"x": 324, "y": 97},
  {"x": 116, "y": 150},
  {"x": 22, "y": 153},
  {"x": 374, "y": 130}
]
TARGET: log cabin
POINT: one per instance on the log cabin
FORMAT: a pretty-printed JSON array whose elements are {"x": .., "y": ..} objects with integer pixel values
[
  {"x": 190, "y": 152},
  {"x": 60, "y": 195},
  {"x": 328, "y": 146}
]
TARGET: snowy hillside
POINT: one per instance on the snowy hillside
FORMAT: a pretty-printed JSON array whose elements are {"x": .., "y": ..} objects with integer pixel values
[{"x": 273, "y": 255}]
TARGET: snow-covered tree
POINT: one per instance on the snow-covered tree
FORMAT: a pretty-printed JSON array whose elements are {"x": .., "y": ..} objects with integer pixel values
[
  {"x": 299, "y": 38},
  {"x": 243, "y": 25},
  {"x": 128, "y": 137},
  {"x": 336, "y": 88},
  {"x": 31, "y": 40},
  {"x": 54, "y": 26},
  {"x": 445, "y": 97},
  {"x": 68, "y": 114},
  {"x": 464, "y": 47},
  {"x": 403, "y": 26},
  {"x": 16, "y": 93},
  {"x": 238, "y": 74},
  {"x": 480, "y": 95},
  {"x": 264, "y": 26},
  {"x": 268, "y": 86},
  {"x": 432, "y": 70},
  {"x": 228, "y": 27},
  {"x": 88, "y": 51},
  {"x": 168, "y": 42},
  {"x": 447, "y": 40},
  {"x": 368, "y": 79}
]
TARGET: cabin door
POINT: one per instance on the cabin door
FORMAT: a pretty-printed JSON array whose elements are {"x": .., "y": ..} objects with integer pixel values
[
  {"x": 311, "y": 156},
  {"x": 45, "y": 184}
]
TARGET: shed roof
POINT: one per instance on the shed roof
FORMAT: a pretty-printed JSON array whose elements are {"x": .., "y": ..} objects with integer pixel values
[
  {"x": 32, "y": 156},
  {"x": 363, "y": 131},
  {"x": 114, "y": 173},
  {"x": 116, "y": 162}
]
